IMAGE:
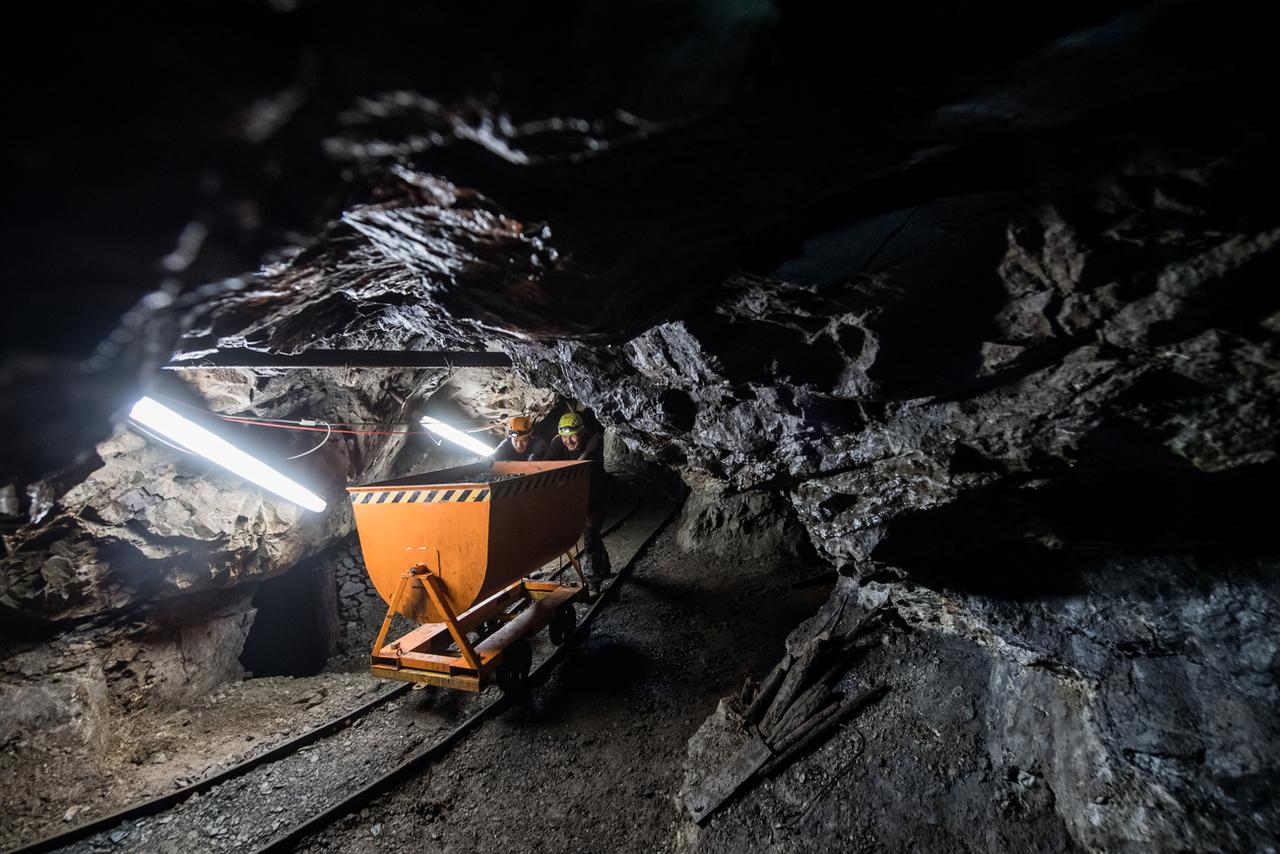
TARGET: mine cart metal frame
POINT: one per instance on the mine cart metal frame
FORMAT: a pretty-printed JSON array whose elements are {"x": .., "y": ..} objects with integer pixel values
[{"x": 452, "y": 550}]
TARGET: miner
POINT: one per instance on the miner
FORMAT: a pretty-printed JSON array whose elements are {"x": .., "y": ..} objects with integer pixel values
[
  {"x": 520, "y": 445},
  {"x": 575, "y": 442}
]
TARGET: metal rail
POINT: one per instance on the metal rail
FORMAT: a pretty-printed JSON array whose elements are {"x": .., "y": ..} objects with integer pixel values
[
  {"x": 245, "y": 358},
  {"x": 288, "y": 840},
  {"x": 165, "y": 801},
  {"x": 160, "y": 803}
]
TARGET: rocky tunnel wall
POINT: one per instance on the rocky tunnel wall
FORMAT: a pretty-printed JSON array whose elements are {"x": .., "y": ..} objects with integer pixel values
[{"x": 1010, "y": 362}]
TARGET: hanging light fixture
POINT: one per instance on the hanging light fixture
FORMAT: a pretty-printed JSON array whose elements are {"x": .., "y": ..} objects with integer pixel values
[
  {"x": 198, "y": 440},
  {"x": 453, "y": 434}
]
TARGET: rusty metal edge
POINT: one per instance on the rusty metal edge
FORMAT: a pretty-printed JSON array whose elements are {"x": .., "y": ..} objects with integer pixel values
[{"x": 288, "y": 840}]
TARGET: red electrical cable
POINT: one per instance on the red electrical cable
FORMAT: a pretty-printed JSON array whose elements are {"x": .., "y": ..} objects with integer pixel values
[
  {"x": 285, "y": 425},
  {"x": 254, "y": 423},
  {"x": 317, "y": 429}
]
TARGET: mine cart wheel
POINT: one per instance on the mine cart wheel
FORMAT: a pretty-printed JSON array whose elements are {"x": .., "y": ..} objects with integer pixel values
[
  {"x": 513, "y": 669},
  {"x": 563, "y": 622}
]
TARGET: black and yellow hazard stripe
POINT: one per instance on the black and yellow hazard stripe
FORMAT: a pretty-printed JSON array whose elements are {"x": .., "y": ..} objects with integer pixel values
[
  {"x": 477, "y": 492},
  {"x": 420, "y": 496},
  {"x": 542, "y": 480}
]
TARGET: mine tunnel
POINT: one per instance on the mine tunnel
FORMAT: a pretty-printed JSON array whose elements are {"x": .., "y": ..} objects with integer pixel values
[{"x": 688, "y": 426}]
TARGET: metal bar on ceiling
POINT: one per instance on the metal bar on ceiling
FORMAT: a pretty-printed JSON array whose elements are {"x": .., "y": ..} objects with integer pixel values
[{"x": 242, "y": 358}]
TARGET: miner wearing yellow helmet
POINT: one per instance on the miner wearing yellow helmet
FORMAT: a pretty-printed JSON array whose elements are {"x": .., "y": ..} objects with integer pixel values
[
  {"x": 520, "y": 445},
  {"x": 574, "y": 441}
]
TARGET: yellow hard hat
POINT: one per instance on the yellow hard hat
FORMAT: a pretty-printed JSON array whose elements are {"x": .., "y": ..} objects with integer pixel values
[{"x": 570, "y": 423}]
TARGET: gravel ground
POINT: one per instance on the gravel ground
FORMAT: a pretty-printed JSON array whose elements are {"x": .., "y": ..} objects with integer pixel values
[
  {"x": 49, "y": 786},
  {"x": 597, "y": 761},
  {"x": 252, "y": 809},
  {"x": 594, "y": 762}
]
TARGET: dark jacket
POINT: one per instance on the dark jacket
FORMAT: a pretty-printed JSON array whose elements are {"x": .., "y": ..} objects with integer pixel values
[
  {"x": 506, "y": 453},
  {"x": 592, "y": 449}
]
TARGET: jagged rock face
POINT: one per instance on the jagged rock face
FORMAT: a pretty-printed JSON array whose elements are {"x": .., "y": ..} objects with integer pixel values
[
  {"x": 71, "y": 706},
  {"x": 342, "y": 292},
  {"x": 149, "y": 523},
  {"x": 70, "y": 688},
  {"x": 139, "y": 523},
  {"x": 1012, "y": 362},
  {"x": 752, "y": 524},
  {"x": 1061, "y": 414},
  {"x": 181, "y": 657},
  {"x": 1146, "y": 713},
  {"x": 151, "y": 559},
  {"x": 1056, "y": 411},
  {"x": 943, "y": 369}
]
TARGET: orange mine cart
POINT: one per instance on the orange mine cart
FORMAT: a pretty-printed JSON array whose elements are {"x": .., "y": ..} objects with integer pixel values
[{"x": 450, "y": 550}]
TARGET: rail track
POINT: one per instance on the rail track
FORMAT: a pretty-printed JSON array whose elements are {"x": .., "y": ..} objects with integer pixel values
[
  {"x": 112, "y": 829},
  {"x": 160, "y": 803}
]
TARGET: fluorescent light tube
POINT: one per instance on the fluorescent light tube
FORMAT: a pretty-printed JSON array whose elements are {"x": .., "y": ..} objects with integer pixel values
[
  {"x": 453, "y": 434},
  {"x": 198, "y": 440}
]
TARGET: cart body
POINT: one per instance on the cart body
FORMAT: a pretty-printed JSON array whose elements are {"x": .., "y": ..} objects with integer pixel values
[{"x": 451, "y": 550}]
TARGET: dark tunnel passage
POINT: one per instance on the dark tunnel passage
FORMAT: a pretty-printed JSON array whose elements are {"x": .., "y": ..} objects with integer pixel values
[
  {"x": 296, "y": 624},
  {"x": 1017, "y": 543}
]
